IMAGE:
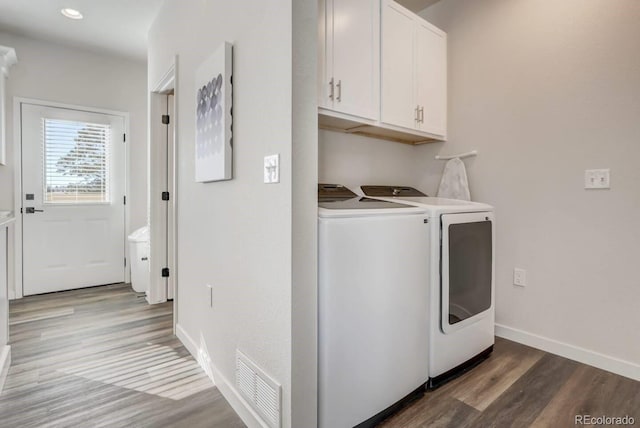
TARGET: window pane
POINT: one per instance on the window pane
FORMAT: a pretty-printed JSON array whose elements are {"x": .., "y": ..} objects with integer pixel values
[{"x": 76, "y": 162}]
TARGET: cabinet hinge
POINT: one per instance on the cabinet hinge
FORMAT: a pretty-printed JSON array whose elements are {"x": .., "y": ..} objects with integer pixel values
[
  {"x": 165, "y": 196},
  {"x": 165, "y": 119},
  {"x": 165, "y": 272}
]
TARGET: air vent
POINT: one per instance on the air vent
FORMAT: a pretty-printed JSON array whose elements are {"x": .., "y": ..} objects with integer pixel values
[{"x": 260, "y": 391}]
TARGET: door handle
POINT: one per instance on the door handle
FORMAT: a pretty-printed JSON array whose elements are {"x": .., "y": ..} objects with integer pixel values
[
  {"x": 331, "y": 88},
  {"x": 339, "y": 86},
  {"x": 32, "y": 210}
]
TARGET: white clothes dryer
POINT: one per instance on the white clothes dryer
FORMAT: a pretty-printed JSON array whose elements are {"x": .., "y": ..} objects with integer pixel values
[{"x": 460, "y": 279}]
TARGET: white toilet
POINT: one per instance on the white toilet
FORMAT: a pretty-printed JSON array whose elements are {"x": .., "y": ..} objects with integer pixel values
[{"x": 139, "y": 254}]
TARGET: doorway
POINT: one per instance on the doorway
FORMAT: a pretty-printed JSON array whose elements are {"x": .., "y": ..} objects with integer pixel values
[
  {"x": 73, "y": 196},
  {"x": 163, "y": 180}
]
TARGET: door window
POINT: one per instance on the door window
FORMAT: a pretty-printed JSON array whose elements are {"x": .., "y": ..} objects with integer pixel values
[{"x": 76, "y": 162}]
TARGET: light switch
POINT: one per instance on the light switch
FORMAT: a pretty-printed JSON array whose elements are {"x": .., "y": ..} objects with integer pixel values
[
  {"x": 272, "y": 169},
  {"x": 597, "y": 179}
]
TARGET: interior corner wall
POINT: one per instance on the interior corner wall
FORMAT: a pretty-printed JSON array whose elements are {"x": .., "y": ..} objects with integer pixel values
[
  {"x": 304, "y": 326},
  {"x": 52, "y": 72},
  {"x": 235, "y": 235},
  {"x": 544, "y": 90}
]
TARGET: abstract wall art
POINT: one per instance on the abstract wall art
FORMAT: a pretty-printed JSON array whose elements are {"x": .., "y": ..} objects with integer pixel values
[{"x": 214, "y": 145}]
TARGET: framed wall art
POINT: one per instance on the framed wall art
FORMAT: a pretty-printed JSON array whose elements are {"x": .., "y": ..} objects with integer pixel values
[{"x": 214, "y": 99}]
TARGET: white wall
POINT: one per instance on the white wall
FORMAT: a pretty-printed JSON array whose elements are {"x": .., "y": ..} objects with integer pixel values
[
  {"x": 354, "y": 160},
  {"x": 52, "y": 72},
  {"x": 56, "y": 73},
  {"x": 237, "y": 235},
  {"x": 304, "y": 302},
  {"x": 544, "y": 90}
]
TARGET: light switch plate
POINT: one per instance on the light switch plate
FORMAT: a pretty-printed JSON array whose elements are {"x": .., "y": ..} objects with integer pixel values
[
  {"x": 272, "y": 169},
  {"x": 597, "y": 179}
]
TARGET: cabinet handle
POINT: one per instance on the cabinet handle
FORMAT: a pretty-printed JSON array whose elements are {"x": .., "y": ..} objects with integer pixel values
[
  {"x": 417, "y": 114},
  {"x": 331, "y": 89},
  {"x": 339, "y": 86},
  {"x": 422, "y": 114}
]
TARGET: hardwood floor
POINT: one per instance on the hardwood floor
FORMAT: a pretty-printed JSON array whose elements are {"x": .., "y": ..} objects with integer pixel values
[
  {"x": 523, "y": 387},
  {"x": 102, "y": 357}
]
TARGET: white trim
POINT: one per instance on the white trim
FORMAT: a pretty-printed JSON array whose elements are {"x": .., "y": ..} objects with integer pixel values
[
  {"x": 158, "y": 290},
  {"x": 18, "y": 290},
  {"x": 226, "y": 388},
  {"x": 17, "y": 199},
  {"x": 585, "y": 356},
  {"x": 167, "y": 82},
  {"x": 8, "y": 58},
  {"x": 5, "y": 363}
]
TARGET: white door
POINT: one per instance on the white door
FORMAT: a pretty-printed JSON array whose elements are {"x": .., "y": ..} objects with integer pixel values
[
  {"x": 355, "y": 26},
  {"x": 398, "y": 89},
  {"x": 431, "y": 78},
  {"x": 73, "y": 187}
]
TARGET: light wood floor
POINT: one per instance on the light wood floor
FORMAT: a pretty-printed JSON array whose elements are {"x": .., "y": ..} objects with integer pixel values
[
  {"x": 102, "y": 357},
  {"x": 518, "y": 386}
]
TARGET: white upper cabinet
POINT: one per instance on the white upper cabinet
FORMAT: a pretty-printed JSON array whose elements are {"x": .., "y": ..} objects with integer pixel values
[
  {"x": 349, "y": 60},
  {"x": 398, "y": 106},
  {"x": 382, "y": 71},
  {"x": 414, "y": 71},
  {"x": 431, "y": 78}
]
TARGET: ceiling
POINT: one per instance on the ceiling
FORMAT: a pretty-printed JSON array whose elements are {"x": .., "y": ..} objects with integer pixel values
[
  {"x": 417, "y": 5},
  {"x": 113, "y": 26}
]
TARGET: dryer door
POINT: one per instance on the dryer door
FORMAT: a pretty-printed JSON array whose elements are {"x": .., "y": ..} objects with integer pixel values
[{"x": 467, "y": 269}]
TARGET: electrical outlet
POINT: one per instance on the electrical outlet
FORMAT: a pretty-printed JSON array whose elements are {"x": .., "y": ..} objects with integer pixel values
[
  {"x": 272, "y": 169},
  {"x": 520, "y": 277},
  {"x": 597, "y": 179}
]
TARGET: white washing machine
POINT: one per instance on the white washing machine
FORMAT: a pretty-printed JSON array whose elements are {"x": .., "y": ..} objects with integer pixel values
[
  {"x": 372, "y": 307},
  {"x": 460, "y": 277}
]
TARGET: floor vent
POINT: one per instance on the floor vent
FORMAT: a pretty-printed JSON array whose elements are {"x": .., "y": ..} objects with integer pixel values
[{"x": 262, "y": 392}]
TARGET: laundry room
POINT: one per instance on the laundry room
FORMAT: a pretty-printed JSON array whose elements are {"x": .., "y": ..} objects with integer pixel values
[{"x": 536, "y": 122}]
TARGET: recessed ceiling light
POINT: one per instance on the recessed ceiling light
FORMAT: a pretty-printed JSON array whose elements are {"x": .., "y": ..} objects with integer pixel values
[{"x": 71, "y": 13}]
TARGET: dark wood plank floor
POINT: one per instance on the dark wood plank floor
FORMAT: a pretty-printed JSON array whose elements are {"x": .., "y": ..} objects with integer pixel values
[
  {"x": 523, "y": 387},
  {"x": 103, "y": 357}
]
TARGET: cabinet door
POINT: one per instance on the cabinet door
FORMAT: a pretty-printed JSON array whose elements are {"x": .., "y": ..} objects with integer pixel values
[
  {"x": 356, "y": 58},
  {"x": 398, "y": 88},
  {"x": 431, "y": 78}
]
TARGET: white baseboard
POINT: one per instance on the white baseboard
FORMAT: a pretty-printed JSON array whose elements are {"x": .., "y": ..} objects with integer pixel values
[
  {"x": 5, "y": 363},
  {"x": 226, "y": 388},
  {"x": 595, "y": 359}
]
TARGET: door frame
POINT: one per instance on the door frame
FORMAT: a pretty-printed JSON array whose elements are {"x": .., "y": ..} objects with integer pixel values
[
  {"x": 161, "y": 178},
  {"x": 18, "y": 287}
]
